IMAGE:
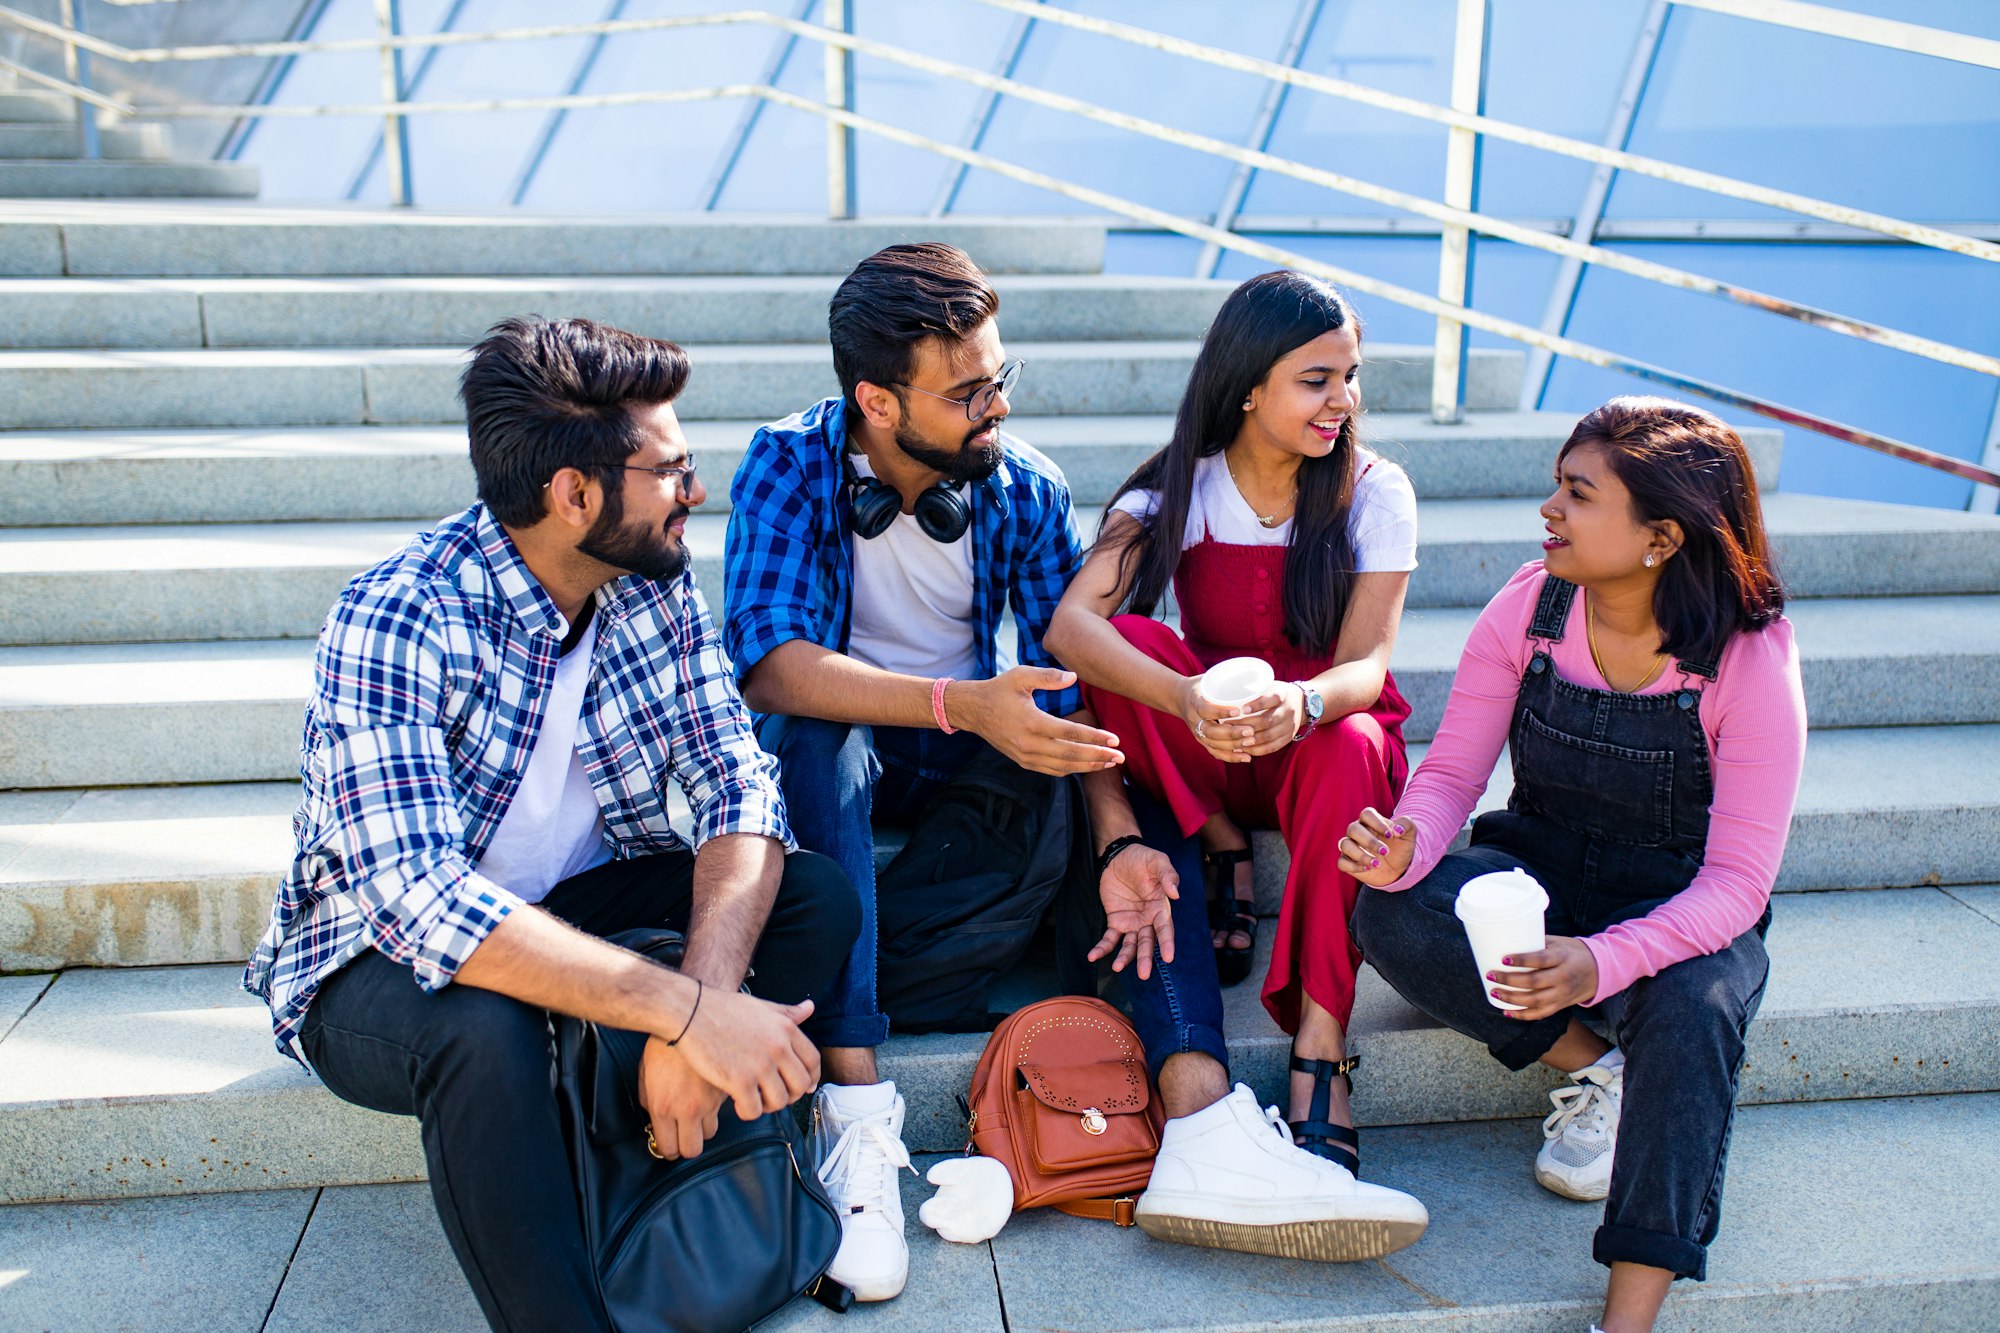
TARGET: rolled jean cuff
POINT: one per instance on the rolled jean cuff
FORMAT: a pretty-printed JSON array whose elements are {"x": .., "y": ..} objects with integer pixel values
[
  {"x": 1654, "y": 1249},
  {"x": 1189, "y": 1038},
  {"x": 847, "y": 1031}
]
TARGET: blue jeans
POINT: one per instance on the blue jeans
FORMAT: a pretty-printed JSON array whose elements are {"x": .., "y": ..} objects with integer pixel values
[
  {"x": 1179, "y": 1008},
  {"x": 840, "y": 780}
]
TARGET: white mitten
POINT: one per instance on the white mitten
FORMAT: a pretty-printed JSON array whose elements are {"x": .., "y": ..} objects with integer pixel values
[{"x": 974, "y": 1200}]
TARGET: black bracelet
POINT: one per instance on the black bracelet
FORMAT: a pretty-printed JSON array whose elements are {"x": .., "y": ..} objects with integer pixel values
[
  {"x": 692, "y": 1011},
  {"x": 1111, "y": 850}
]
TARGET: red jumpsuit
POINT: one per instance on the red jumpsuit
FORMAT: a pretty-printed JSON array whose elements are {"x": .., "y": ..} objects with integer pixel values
[{"x": 1231, "y": 604}]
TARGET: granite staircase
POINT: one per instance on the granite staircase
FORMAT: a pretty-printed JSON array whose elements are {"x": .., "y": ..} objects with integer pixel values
[
  {"x": 212, "y": 415},
  {"x": 41, "y": 155}
]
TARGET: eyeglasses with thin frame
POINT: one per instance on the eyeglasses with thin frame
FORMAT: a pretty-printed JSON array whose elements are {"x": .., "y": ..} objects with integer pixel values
[
  {"x": 980, "y": 401},
  {"x": 680, "y": 476}
]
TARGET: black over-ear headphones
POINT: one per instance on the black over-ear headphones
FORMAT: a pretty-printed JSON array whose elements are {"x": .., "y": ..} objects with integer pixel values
[{"x": 873, "y": 505}]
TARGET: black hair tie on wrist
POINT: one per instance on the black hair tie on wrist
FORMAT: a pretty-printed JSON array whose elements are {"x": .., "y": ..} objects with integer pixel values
[
  {"x": 1111, "y": 850},
  {"x": 693, "y": 1009}
]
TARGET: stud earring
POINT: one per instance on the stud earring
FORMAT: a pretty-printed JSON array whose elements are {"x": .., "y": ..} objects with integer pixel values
[
  {"x": 1651, "y": 560},
  {"x": 1247, "y": 404}
]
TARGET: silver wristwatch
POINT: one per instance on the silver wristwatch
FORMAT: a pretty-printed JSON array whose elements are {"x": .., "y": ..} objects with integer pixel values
[{"x": 1314, "y": 707}]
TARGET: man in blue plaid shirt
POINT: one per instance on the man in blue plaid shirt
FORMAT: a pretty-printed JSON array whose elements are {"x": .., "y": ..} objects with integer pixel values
[
  {"x": 496, "y": 711},
  {"x": 874, "y": 541}
]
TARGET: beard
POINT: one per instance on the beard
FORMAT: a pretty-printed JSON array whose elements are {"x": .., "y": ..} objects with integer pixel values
[
  {"x": 965, "y": 462},
  {"x": 650, "y": 553}
]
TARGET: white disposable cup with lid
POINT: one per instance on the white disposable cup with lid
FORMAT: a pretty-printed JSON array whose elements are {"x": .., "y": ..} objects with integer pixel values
[
  {"x": 1237, "y": 680},
  {"x": 1502, "y": 915}
]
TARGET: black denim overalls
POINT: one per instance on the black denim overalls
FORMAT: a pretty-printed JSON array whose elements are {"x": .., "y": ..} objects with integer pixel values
[{"x": 1610, "y": 812}]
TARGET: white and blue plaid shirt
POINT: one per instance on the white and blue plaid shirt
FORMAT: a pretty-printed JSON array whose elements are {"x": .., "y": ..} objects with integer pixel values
[{"x": 428, "y": 689}]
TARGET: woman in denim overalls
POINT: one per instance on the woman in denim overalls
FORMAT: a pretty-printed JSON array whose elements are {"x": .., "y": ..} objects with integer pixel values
[{"x": 1645, "y": 682}]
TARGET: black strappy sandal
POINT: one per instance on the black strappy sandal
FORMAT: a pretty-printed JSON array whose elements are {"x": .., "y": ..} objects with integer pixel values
[
  {"x": 1228, "y": 913},
  {"x": 1318, "y": 1135}
]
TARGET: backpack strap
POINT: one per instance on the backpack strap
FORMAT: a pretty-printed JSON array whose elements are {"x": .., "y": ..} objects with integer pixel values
[{"x": 1122, "y": 1210}]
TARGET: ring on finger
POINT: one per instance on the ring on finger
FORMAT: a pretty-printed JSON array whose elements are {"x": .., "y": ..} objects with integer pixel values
[{"x": 1199, "y": 723}]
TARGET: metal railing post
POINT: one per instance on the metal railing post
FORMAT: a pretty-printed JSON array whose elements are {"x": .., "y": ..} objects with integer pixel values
[
  {"x": 1461, "y": 190},
  {"x": 395, "y": 127},
  {"x": 76, "y": 68},
  {"x": 840, "y": 163}
]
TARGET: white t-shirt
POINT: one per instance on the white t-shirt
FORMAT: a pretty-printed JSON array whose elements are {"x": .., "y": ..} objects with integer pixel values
[
  {"x": 912, "y": 600},
  {"x": 553, "y": 828},
  {"x": 1382, "y": 523}
]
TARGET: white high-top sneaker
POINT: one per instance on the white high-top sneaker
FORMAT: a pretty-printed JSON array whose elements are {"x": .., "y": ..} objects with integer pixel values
[
  {"x": 858, "y": 1141},
  {"x": 1581, "y": 1134},
  {"x": 1230, "y": 1177}
]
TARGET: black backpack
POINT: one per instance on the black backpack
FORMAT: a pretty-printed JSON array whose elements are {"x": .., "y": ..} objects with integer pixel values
[{"x": 960, "y": 903}]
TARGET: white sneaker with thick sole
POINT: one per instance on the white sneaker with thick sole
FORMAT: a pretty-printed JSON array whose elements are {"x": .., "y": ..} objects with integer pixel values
[
  {"x": 1230, "y": 1177},
  {"x": 858, "y": 1142},
  {"x": 1581, "y": 1134}
]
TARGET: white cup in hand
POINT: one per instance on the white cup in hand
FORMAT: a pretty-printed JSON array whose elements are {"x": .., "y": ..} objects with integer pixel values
[
  {"x": 1236, "y": 680},
  {"x": 1502, "y": 915}
]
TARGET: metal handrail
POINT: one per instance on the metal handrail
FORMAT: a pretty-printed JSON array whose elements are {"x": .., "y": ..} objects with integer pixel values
[{"x": 837, "y": 111}]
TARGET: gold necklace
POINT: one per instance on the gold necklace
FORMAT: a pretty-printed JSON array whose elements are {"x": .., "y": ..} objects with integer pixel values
[
  {"x": 1590, "y": 634},
  {"x": 1268, "y": 520}
]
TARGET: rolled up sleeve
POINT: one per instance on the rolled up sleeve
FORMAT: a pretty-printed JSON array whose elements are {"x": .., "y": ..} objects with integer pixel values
[
  {"x": 380, "y": 682},
  {"x": 731, "y": 784}
]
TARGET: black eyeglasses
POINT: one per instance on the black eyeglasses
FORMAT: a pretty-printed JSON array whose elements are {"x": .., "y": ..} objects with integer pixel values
[
  {"x": 979, "y": 402},
  {"x": 679, "y": 475}
]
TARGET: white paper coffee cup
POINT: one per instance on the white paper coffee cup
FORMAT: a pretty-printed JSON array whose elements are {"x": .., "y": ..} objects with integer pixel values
[
  {"x": 1502, "y": 915},
  {"x": 1237, "y": 680}
]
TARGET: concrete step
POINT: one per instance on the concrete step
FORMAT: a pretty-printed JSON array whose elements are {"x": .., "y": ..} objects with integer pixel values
[
  {"x": 445, "y": 311},
  {"x": 268, "y": 580},
  {"x": 29, "y": 179},
  {"x": 55, "y": 390},
  {"x": 1789, "y": 1255},
  {"x": 163, "y": 1081},
  {"x": 143, "y": 875},
  {"x": 368, "y": 472},
  {"x": 213, "y": 238},
  {"x": 140, "y": 142},
  {"x": 19, "y": 107}
]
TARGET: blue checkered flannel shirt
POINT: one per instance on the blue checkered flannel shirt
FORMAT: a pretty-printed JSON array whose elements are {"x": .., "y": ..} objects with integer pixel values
[
  {"x": 788, "y": 571},
  {"x": 428, "y": 687}
]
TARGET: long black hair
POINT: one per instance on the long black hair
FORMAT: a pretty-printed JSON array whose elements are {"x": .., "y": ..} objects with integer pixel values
[{"x": 1264, "y": 319}]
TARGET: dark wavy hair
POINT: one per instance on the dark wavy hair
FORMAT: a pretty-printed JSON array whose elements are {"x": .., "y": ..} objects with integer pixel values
[
  {"x": 1263, "y": 320},
  {"x": 1687, "y": 465},
  {"x": 545, "y": 394},
  {"x": 897, "y": 299}
]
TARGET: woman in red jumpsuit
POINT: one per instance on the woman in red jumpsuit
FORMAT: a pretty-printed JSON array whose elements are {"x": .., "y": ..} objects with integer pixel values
[{"x": 1282, "y": 539}]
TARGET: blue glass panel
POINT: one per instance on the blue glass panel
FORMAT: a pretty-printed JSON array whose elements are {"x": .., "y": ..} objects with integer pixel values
[
  {"x": 1160, "y": 87},
  {"x": 1508, "y": 280},
  {"x": 1911, "y": 398},
  {"x": 467, "y": 159},
  {"x": 1907, "y": 135},
  {"x": 783, "y": 167},
  {"x": 622, "y": 159},
  {"x": 315, "y": 158}
]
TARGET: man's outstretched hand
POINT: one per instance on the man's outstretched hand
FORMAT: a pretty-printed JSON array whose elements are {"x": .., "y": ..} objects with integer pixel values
[
  {"x": 1138, "y": 890},
  {"x": 1003, "y": 712}
]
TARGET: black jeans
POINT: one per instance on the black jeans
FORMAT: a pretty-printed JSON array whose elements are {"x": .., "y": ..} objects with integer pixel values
[
  {"x": 478, "y": 1070},
  {"x": 1682, "y": 1032}
]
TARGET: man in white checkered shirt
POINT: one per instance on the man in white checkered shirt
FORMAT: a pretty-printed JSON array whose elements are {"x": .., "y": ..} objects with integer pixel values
[{"x": 496, "y": 709}]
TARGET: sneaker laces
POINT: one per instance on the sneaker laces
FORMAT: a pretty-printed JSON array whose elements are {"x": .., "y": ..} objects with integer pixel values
[
  {"x": 856, "y": 1163},
  {"x": 1584, "y": 1104}
]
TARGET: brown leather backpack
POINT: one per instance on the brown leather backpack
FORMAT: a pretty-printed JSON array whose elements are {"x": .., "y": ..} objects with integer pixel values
[{"x": 1063, "y": 1099}]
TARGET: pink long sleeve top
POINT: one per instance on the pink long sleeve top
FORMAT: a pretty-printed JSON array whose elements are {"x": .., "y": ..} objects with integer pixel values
[{"x": 1754, "y": 716}]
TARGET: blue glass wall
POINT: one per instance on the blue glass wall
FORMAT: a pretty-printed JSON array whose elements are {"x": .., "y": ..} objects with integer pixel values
[{"x": 1913, "y": 136}]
